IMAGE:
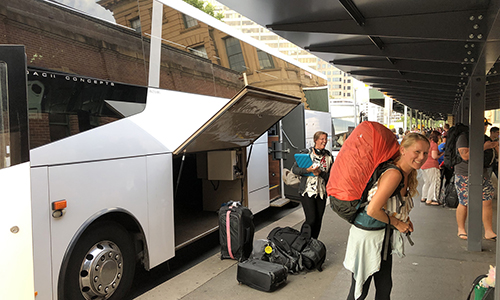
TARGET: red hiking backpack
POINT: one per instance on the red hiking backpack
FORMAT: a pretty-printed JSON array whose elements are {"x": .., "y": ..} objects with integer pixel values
[{"x": 369, "y": 145}]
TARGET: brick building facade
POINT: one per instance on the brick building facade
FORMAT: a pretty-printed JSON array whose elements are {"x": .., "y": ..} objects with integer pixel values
[
  {"x": 190, "y": 35},
  {"x": 62, "y": 39}
]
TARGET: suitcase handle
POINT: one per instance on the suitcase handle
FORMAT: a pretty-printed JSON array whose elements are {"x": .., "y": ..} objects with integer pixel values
[{"x": 228, "y": 233}]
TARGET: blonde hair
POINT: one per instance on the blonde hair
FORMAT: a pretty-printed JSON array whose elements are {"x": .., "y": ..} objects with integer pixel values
[{"x": 410, "y": 139}]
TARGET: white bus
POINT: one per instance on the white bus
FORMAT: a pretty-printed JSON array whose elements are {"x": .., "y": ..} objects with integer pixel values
[{"x": 135, "y": 189}]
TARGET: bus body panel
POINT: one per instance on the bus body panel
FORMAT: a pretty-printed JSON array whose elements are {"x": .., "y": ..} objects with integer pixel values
[
  {"x": 258, "y": 175},
  {"x": 91, "y": 189},
  {"x": 41, "y": 232},
  {"x": 122, "y": 138},
  {"x": 169, "y": 119},
  {"x": 161, "y": 242},
  {"x": 172, "y": 117},
  {"x": 16, "y": 234}
]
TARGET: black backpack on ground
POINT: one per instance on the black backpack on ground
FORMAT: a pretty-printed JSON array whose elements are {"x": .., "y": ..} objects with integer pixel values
[
  {"x": 298, "y": 245},
  {"x": 314, "y": 255},
  {"x": 451, "y": 156},
  {"x": 448, "y": 195},
  {"x": 289, "y": 243}
]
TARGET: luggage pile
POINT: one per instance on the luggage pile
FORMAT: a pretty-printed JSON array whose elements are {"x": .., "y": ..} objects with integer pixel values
[{"x": 264, "y": 264}]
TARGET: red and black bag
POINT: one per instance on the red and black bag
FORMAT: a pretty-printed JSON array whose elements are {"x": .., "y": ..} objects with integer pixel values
[{"x": 369, "y": 145}]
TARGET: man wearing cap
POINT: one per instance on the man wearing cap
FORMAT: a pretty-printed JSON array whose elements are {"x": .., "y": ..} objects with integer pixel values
[{"x": 462, "y": 187}]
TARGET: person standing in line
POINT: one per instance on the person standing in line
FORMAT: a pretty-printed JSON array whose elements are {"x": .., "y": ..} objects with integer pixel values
[
  {"x": 365, "y": 248},
  {"x": 313, "y": 188},
  {"x": 462, "y": 187},
  {"x": 494, "y": 132},
  {"x": 446, "y": 127},
  {"x": 442, "y": 146},
  {"x": 431, "y": 173}
]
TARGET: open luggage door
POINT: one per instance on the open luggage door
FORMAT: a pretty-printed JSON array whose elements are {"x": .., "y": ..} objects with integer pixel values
[{"x": 241, "y": 121}]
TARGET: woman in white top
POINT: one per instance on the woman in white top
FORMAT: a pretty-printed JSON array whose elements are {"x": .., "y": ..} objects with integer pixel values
[
  {"x": 364, "y": 254},
  {"x": 312, "y": 189}
]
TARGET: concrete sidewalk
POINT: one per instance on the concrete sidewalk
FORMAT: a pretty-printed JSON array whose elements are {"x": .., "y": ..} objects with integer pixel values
[{"x": 438, "y": 266}]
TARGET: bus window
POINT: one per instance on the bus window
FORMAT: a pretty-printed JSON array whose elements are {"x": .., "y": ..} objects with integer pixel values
[
  {"x": 13, "y": 118},
  {"x": 4, "y": 124},
  {"x": 61, "y": 105}
]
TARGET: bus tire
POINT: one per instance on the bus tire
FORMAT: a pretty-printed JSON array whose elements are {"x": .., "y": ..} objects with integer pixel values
[{"x": 102, "y": 264}]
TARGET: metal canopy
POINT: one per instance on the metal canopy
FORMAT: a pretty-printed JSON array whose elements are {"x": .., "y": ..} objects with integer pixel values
[{"x": 420, "y": 53}]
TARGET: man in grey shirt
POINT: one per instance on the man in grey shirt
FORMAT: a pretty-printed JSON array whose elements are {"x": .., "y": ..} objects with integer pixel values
[{"x": 462, "y": 187}]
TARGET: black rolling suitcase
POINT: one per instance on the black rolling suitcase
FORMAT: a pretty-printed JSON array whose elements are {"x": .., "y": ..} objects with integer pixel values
[
  {"x": 261, "y": 275},
  {"x": 236, "y": 231}
]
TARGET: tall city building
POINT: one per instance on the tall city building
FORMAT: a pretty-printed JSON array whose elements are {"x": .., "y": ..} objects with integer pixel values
[{"x": 339, "y": 83}]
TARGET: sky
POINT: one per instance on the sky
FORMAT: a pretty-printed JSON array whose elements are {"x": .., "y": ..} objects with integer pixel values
[{"x": 90, "y": 7}]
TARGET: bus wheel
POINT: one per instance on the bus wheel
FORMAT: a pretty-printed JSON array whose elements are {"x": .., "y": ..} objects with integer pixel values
[{"x": 102, "y": 264}]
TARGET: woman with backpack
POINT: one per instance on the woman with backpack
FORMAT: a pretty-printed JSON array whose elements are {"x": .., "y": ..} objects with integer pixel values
[
  {"x": 313, "y": 188},
  {"x": 368, "y": 253}
]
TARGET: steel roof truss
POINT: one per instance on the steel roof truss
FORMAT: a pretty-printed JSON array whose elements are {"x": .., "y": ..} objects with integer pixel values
[
  {"x": 401, "y": 84},
  {"x": 451, "y": 26},
  {"x": 442, "y": 79},
  {"x": 418, "y": 66},
  {"x": 445, "y": 51}
]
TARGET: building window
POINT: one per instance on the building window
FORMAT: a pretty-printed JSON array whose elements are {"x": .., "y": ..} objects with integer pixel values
[
  {"x": 200, "y": 51},
  {"x": 348, "y": 87},
  {"x": 189, "y": 21},
  {"x": 337, "y": 79},
  {"x": 348, "y": 80},
  {"x": 348, "y": 94},
  {"x": 136, "y": 24},
  {"x": 265, "y": 60},
  {"x": 235, "y": 54}
]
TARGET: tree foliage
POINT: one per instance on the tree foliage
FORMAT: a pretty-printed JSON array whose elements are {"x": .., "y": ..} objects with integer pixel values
[{"x": 206, "y": 7}]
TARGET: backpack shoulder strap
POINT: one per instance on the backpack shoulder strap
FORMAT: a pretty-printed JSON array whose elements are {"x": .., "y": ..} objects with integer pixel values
[
  {"x": 384, "y": 167},
  {"x": 375, "y": 176}
]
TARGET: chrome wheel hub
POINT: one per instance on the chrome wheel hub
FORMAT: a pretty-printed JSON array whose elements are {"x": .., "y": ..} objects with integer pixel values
[{"x": 101, "y": 271}]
